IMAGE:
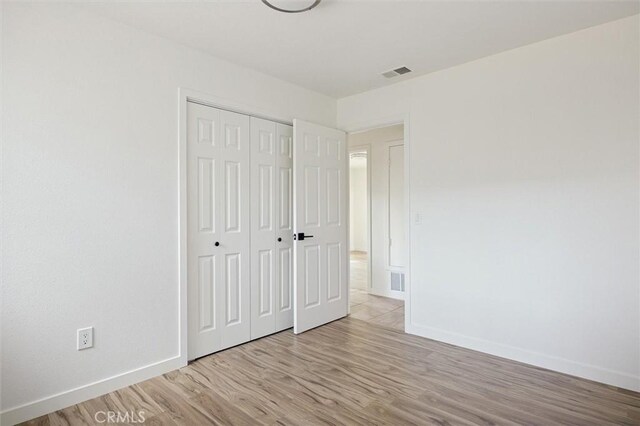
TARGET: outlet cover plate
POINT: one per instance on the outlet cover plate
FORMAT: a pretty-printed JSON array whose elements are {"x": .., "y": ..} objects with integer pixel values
[{"x": 85, "y": 338}]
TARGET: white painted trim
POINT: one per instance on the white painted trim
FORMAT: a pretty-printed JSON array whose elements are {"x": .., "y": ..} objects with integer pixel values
[
  {"x": 408, "y": 215},
  {"x": 182, "y": 226},
  {"x": 231, "y": 105},
  {"x": 64, "y": 399},
  {"x": 188, "y": 95},
  {"x": 373, "y": 124},
  {"x": 388, "y": 293},
  {"x": 348, "y": 259},
  {"x": 586, "y": 371}
]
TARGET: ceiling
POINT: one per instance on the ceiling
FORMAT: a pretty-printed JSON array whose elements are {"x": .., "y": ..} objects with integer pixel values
[{"x": 343, "y": 46}]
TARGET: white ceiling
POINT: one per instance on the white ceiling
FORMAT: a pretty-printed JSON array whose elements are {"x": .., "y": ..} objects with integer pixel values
[{"x": 341, "y": 47}]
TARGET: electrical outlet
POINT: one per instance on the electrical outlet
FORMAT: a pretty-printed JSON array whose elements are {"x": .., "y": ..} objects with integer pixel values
[{"x": 85, "y": 338}]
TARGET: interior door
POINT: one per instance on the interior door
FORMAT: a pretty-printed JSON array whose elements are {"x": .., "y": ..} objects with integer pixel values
[
  {"x": 271, "y": 227},
  {"x": 321, "y": 215},
  {"x": 263, "y": 229},
  {"x": 218, "y": 229}
]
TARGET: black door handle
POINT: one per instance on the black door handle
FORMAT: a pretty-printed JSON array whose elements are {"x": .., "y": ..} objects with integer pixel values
[
  {"x": 216, "y": 244},
  {"x": 301, "y": 237},
  {"x": 279, "y": 239}
]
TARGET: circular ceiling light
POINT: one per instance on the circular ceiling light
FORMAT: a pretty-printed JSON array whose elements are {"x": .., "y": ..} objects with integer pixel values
[{"x": 306, "y": 5}]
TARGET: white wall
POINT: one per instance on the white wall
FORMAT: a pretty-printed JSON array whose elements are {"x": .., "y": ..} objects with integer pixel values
[
  {"x": 377, "y": 141},
  {"x": 90, "y": 195},
  {"x": 358, "y": 211},
  {"x": 525, "y": 169},
  {"x": 1, "y": 197}
]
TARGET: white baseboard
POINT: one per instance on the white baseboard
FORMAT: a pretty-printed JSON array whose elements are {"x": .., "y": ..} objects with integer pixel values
[
  {"x": 52, "y": 403},
  {"x": 574, "y": 368},
  {"x": 64, "y": 399},
  {"x": 387, "y": 293}
]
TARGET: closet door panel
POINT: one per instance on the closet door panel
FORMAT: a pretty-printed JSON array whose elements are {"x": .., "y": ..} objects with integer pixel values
[
  {"x": 234, "y": 225},
  {"x": 263, "y": 227},
  {"x": 217, "y": 212},
  {"x": 284, "y": 231},
  {"x": 205, "y": 332}
]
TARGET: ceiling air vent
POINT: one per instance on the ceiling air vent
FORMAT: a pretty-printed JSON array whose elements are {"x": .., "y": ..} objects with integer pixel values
[{"x": 397, "y": 71}]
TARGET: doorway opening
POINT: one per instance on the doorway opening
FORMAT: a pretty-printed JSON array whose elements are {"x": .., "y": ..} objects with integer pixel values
[
  {"x": 359, "y": 219},
  {"x": 377, "y": 226}
]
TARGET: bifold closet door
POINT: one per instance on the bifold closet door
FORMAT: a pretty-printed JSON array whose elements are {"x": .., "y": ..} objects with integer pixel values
[
  {"x": 271, "y": 231},
  {"x": 218, "y": 246}
]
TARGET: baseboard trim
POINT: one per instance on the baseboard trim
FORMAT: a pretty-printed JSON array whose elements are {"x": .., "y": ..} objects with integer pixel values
[
  {"x": 573, "y": 368},
  {"x": 61, "y": 400},
  {"x": 399, "y": 295}
]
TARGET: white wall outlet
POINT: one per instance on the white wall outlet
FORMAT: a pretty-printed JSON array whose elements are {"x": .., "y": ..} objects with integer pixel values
[
  {"x": 418, "y": 219},
  {"x": 85, "y": 338}
]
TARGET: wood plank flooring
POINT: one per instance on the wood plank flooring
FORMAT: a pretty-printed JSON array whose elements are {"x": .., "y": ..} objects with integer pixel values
[
  {"x": 353, "y": 372},
  {"x": 358, "y": 270},
  {"x": 367, "y": 307},
  {"x": 377, "y": 310}
]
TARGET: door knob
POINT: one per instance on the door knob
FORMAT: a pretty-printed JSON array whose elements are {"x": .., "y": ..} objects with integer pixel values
[
  {"x": 216, "y": 244},
  {"x": 301, "y": 237},
  {"x": 279, "y": 239}
]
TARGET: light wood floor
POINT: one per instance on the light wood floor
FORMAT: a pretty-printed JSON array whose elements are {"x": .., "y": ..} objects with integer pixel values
[
  {"x": 358, "y": 270},
  {"x": 353, "y": 372},
  {"x": 367, "y": 307}
]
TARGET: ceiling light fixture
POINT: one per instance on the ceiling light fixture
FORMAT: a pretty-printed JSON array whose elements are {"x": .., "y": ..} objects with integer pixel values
[{"x": 309, "y": 4}]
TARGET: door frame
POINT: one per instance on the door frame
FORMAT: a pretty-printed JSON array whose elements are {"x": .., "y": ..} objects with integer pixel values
[
  {"x": 376, "y": 123},
  {"x": 360, "y": 148},
  {"x": 188, "y": 95}
]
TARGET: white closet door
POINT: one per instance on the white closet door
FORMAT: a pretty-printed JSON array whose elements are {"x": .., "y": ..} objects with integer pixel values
[
  {"x": 218, "y": 229},
  {"x": 263, "y": 227},
  {"x": 321, "y": 215},
  {"x": 271, "y": 234},
  {"x": 284, "y": 227}
]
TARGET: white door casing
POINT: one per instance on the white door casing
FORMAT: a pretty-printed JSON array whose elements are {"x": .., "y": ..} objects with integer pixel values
[
  {"x": 218, "y": 212},
  {"x": 271, "y": 235},
  {"x": 320, "y": 209}
]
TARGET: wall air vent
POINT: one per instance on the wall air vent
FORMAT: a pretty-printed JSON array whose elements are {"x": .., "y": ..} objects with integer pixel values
[
  {"x": 397, "y": 281},
  {"x": 397, "y": 71}
]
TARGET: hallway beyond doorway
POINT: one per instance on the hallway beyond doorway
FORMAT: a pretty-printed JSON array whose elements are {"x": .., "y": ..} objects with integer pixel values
[{"x": 379, "y": 310}]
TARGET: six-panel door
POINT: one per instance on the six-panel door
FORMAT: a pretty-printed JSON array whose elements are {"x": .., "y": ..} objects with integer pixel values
[
  {"x": 271, "y": 227},
  {"x": 320, "y": 210},
  {"x": 241, "y": 217},
  {"x": 218, "y": 149}
]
